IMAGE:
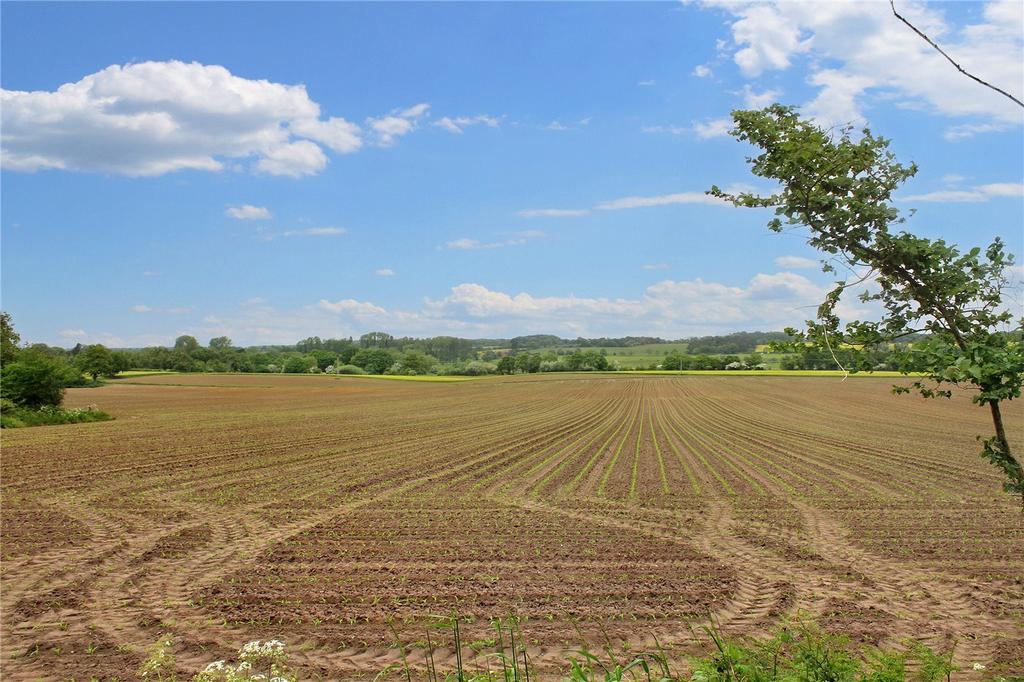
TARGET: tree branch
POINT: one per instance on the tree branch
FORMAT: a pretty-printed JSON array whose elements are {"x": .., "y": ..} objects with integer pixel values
[{"x": 959, "y": 68}]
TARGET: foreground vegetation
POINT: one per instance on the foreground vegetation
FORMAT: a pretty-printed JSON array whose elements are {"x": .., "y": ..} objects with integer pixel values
[{"x": 796, "y": 652}]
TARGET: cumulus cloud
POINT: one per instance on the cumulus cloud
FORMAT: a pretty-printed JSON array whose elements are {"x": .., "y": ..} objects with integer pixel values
[
  {"x": 156, "y": 117},
  {"x": 384, "y": 272},
  {"x": 759, "y": 100},
  {"x": 795, "y": 263},
  {"x": 459, "y": 124},
  {"x": 248, "y": 212},
  {"x": 398, "y": 123},
  {"x": 973, "y": 195},
  {"x": 701, "y": 71},
  {"x": 141, "y": 308},
  {"x": 856, "y": 48},
  {"x": 352, "y": 307},
  {"x": 718, "y": 127}
]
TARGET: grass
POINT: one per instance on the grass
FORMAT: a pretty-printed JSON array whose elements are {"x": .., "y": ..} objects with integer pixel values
[
  {"x": 144, "y": 372},
  {"x": 430, "y": 378},
  {"x": 766, "y": 373},
  {"x": 17, "y": 417}
]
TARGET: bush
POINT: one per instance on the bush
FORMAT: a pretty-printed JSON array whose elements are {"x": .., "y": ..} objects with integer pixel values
[
  {"x": 349, "y": 369},
  {"x": 12, "y": 416},
  {"x": 35, "y": 380}
]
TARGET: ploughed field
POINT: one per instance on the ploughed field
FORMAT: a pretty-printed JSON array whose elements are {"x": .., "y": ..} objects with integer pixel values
[{"x": 226, "y": 508}]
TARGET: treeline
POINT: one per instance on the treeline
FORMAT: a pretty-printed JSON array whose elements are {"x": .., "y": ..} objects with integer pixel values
[{"x": 538, "y": 341}]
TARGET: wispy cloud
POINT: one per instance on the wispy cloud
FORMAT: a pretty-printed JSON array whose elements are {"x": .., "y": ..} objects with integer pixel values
[
  {"x": 399, "y": 122},
  {"x": 655, "y": 266},
  {"x": 552, "y": 212},
  {"x": 701, "y": 71},
  {"x": 973, "y": 195},
  {"x": 315, "y": 232},
  {"x": 384, "y": 272},
  {"x": 467, "y": 244},
  {"x": 645, "y": 84},
  {"x": 671, "y": 130},
  {"x": 458, "y": 124},
  {"x": 248, "y": 212},
  {"x": 795, "y": 263},
  {"x": 660, "y": 200}
]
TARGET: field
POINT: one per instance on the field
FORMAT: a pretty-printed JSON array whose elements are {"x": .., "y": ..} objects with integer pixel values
[{"x": 225, "y": 508}]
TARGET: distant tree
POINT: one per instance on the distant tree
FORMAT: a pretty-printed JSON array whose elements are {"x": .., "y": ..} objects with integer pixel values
[
  {"x": 96, "y": 360},
  {"x": 308, "y": 344},
  {"x": 35, "y": 380},
  {"x": 376, "y": 340},
  {"x": 373, "y": 360},
  {"x": 415, "y": 362},
  {"x": 324, "y": 358},
  {"x": 220, "y": 343},
  {"x": 9, "y": 339},
  {"x": 507, "y": 365},
  {"x": 186, "y": 344},
  {"x": 840, "y": 187},
  {"x": 299, "y": 364}
]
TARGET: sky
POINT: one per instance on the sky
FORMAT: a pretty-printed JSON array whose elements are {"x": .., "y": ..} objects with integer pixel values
[{"x": 274, "y": 171}]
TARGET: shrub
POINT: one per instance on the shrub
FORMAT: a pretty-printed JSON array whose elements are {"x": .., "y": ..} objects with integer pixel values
[
  {"x": 13, "y": 416},
  {"x": 35, "y": 380},
  {"x": 349, "y": 369}
]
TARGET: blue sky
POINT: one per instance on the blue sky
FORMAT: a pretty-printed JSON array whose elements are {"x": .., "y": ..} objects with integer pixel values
[{"x": 273, "y": 171}]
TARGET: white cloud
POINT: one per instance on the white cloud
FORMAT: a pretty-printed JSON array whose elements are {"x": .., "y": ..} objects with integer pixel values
[
  {"x": 84, "y": 337},
  {"x": 662, "y": 200},
  {"x": 655, "y": 266},
  {"x": 458, "y": 124},
  {"x": 854, "y": 49},
  {"x": 247, "y": 212},
  {"x": 150, "y": 273},
  {"x": 555, "y": 125},
  {"x": 671, "y": 130},
  {"x": 173, "y": 310},
  {"x": 530, "y": 234},
  {"x": 969, "y": 130},
  {"x": 352, "y": 307},
  {"x": 553, "y": 212},
  {"x": 974, "y": 195},
  {"x": 701, "y": 71},
  {"x": 315, "y": 232},
  {"x": 156, "y": 117},
  {"x": 759, "y": 100},
  {"x": 396, "y": 124},
  {"x": 467, "y": 244},
  {"x": 795, "y": 263},
  {"x": 384, "y": 272},
  {"x": 645, "y": 84},
  {"x": 718, "y": 127},
  {"x": 141, "y": 308}
]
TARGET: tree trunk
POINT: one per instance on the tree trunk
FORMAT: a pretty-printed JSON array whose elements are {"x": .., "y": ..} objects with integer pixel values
[{"x": 1004, "y": 443}]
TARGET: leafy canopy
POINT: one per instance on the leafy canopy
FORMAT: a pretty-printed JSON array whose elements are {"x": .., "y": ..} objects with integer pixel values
[{"x": 840, "y": 188}]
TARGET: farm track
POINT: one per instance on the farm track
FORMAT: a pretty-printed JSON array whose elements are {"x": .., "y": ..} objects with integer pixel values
[{"x": 641, "y": 503}]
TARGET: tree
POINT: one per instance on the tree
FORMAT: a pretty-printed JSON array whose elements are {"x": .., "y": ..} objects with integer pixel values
[
  {"x": 95, "y": 360},
  {"x": 34, "y": 380},
  {"x": 840, "y": 188},
  {"x": 507, "y": 365},
  {"x": 220, "y": 343},
  {"x": 415, "y": 362},
  {"x": 373, "y": 360},
  {"x": 186, "y": 344},
  {"x": 376, "y": 340},
  {"x": 9, "y": 339}
]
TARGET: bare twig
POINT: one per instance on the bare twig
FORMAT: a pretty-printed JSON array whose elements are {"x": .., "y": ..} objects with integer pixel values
[{"x": 959, "y": 68}]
